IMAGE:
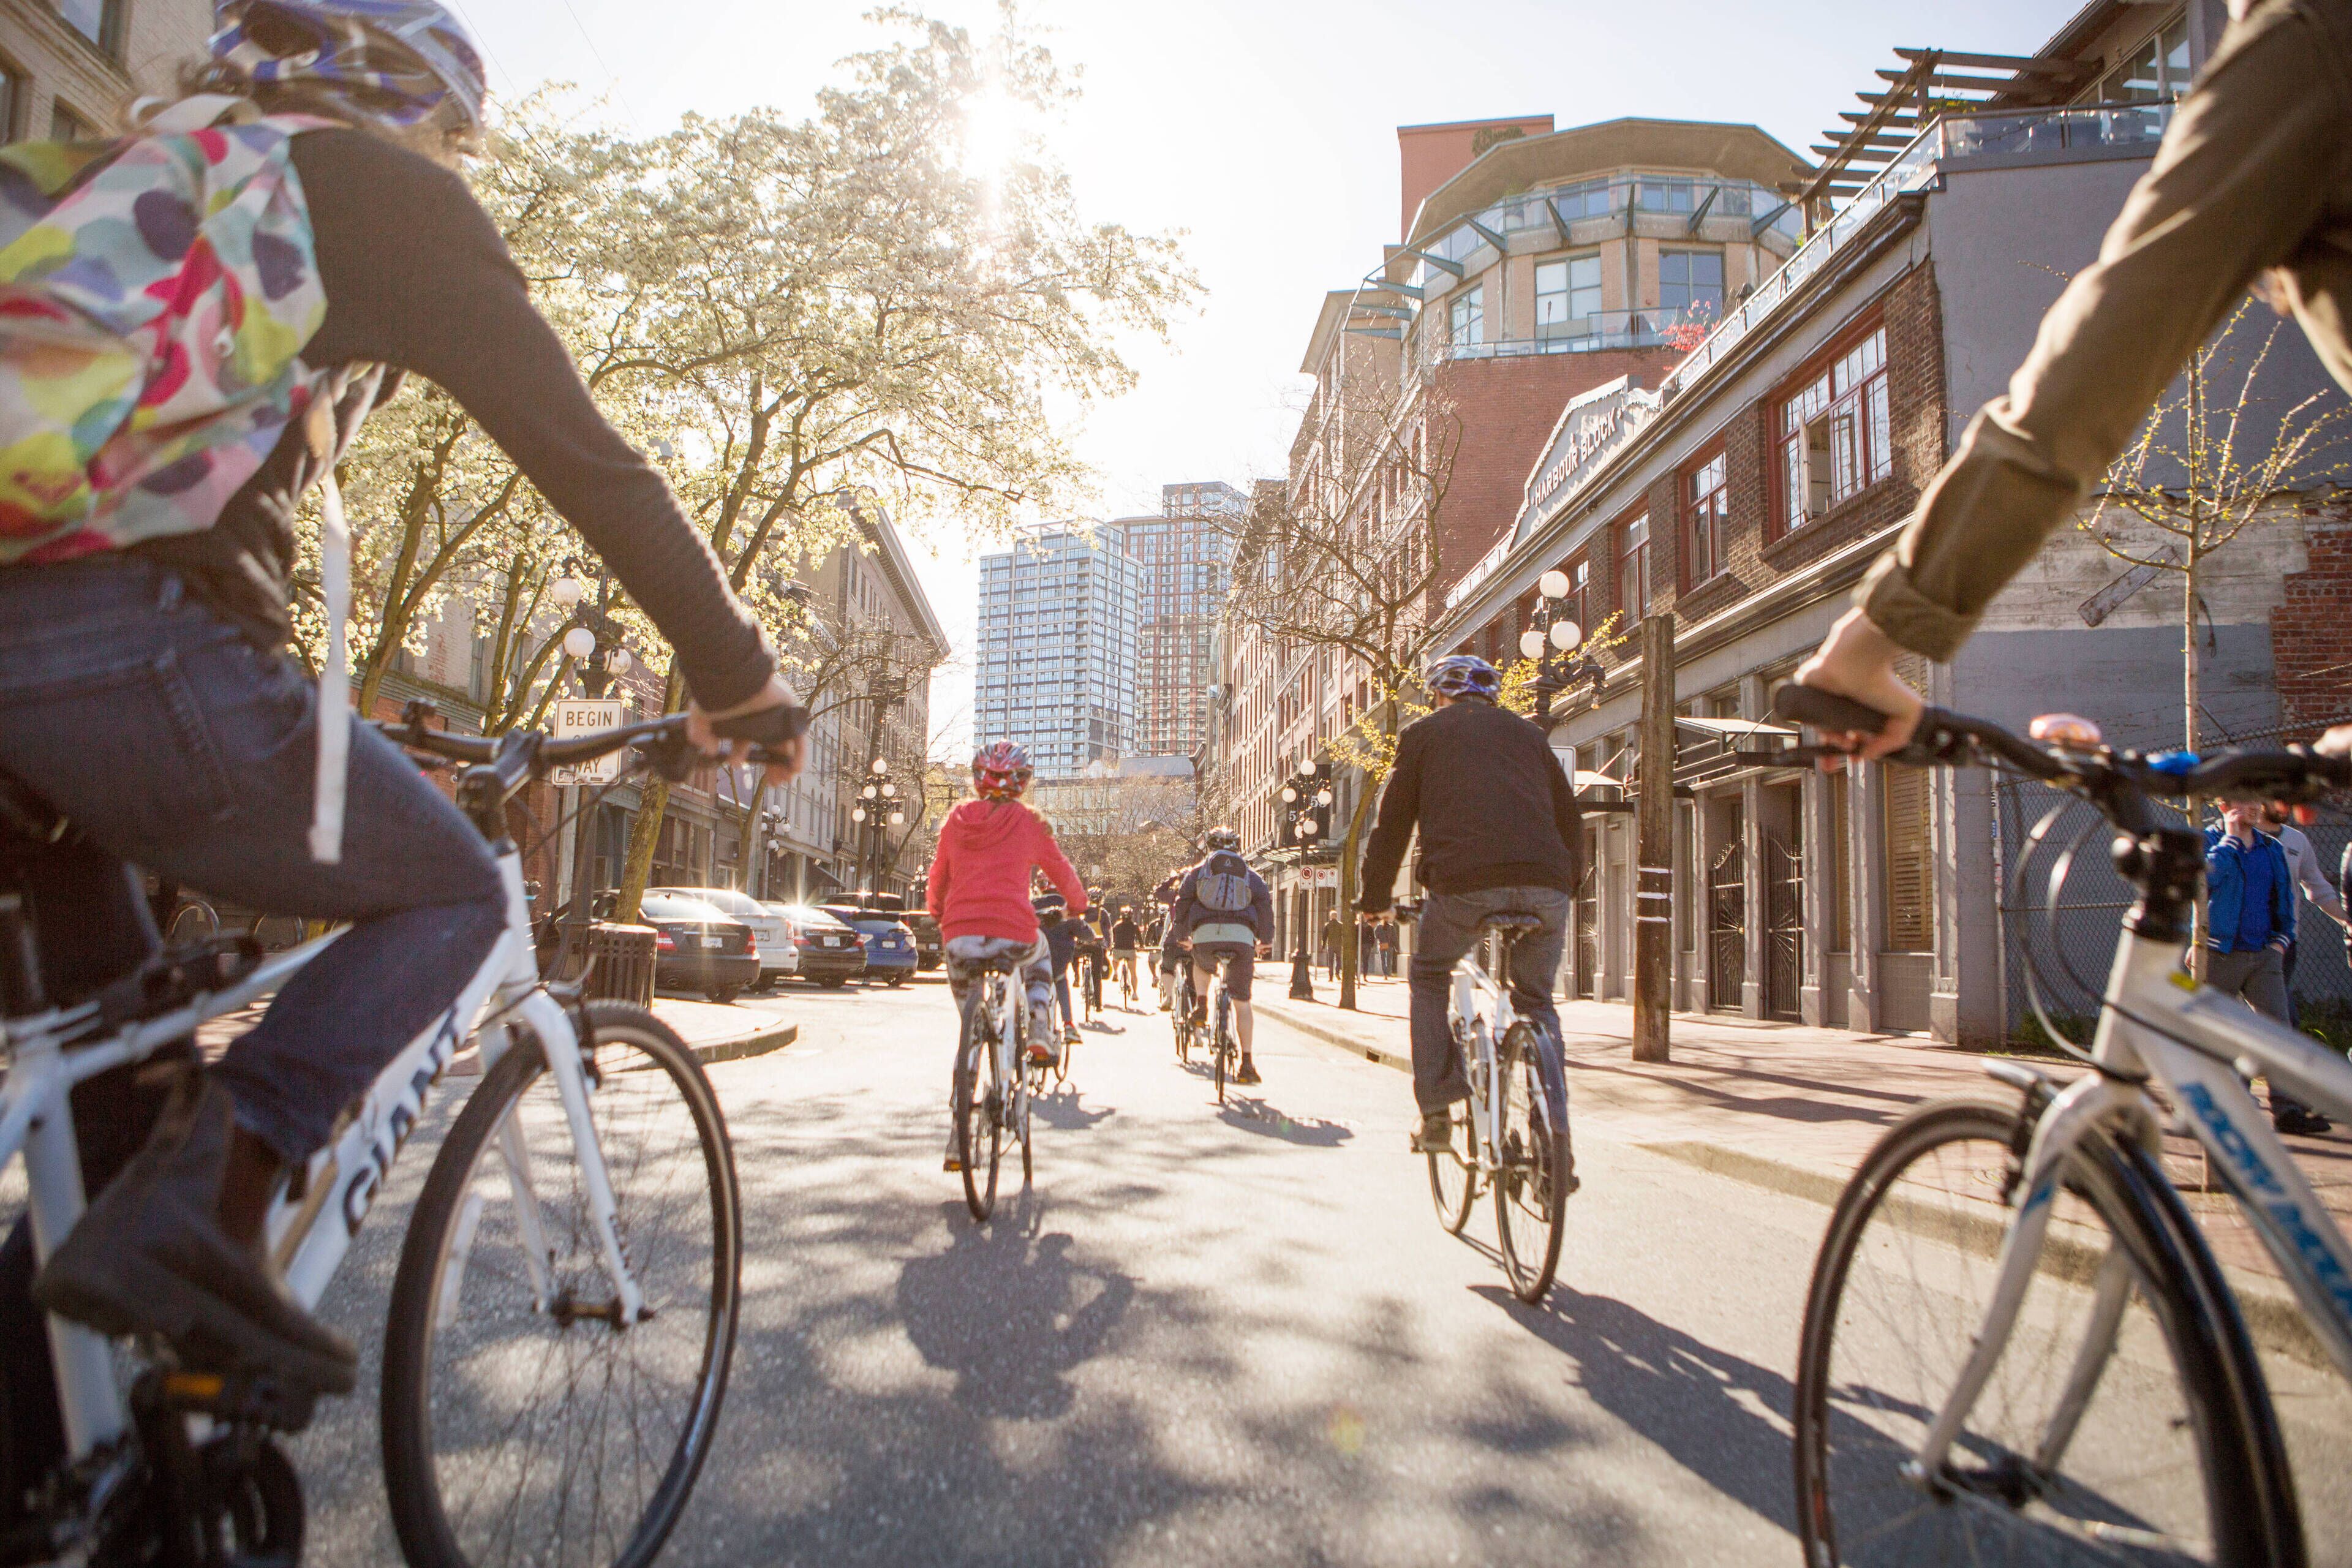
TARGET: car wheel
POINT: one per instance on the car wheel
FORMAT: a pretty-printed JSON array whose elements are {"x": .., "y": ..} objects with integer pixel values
[
  {"x": 723, "y": 994},
  {"x": 897, "y": 980},
  {"x": 834, "y": 981}
]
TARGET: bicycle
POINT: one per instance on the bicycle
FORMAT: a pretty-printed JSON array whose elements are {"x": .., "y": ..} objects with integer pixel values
[
  {"x": 610, "y": 1153},
  {"x": 2023, "y": 1415},
  {"x": 1180, "y": 1010},
  {"x": 1123, "y": 966},
  {"x": 1093, "y": 961},
  {"x": 995, "y": 1041},
  {"x": 1224, "y": 1046},
  {"x": 1511, "y": 1135}
]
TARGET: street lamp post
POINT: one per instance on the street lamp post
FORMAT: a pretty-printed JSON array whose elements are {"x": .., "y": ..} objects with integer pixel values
[
  {"x": 877, "y": 811},
  {"x": 593, "y": 641},
  {"x": 1550, "y": 642}
]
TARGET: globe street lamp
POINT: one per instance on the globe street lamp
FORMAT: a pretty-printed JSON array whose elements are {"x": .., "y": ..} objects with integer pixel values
[{"x": 1550, "y": 642}]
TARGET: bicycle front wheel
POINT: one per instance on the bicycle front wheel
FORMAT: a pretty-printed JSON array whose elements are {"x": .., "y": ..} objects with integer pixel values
[
  {"x": 1531, "y": 1163},
  {"x": 2091, "y": 1442},
  {"x": 980, "y": 1132},
  {"x": 522, "y": 1421},
  {"x": 1452, "y": 1179}
]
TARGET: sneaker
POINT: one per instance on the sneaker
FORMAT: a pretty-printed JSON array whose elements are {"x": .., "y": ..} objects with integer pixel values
[
  {"x": 1248, "y": 1073},
  {"x": 2302, "y": 1123},
  {"x": 1070, "y": 1034},
  {"x": 1435, "y": 1134},
  {"x": 151, "y": 1256}
]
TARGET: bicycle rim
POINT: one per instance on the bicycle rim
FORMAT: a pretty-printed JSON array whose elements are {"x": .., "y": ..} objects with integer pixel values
[
  {"x": 1026, "y": 1119},
  {"x": 979, "y": 1136},
  {"x": 1453, "y": 1183},
  {"x": 2156, "y": 1471},
  {"x": 1530, "y": 1204},
  {"x": 523, "y": 1430}
]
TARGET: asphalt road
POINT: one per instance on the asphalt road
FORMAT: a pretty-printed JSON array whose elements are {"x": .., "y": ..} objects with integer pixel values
[{"x": 1207, "y": 1336}]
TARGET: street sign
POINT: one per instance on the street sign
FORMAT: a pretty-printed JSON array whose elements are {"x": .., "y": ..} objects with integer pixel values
[{"x": 574, "y": 716}]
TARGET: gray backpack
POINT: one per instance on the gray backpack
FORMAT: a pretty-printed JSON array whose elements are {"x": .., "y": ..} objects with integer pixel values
[{"x": 1223, "y": 885}]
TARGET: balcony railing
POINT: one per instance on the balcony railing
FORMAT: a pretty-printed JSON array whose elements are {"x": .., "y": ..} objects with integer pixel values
[
  {"x": 1987, "y": 137},
  {"x": 1651, "y": 328}
]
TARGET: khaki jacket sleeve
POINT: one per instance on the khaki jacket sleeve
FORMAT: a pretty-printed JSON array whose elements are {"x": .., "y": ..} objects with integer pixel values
[{"x": 2241, "y": 178}]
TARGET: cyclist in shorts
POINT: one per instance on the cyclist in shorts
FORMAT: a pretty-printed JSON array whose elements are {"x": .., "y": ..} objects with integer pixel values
[
  {"x": 989, "y": 846},
  {"x": 1171, "y": 941},
  {"x": 1225, "y": 910},
  {"x": 1126, "y": 942}
]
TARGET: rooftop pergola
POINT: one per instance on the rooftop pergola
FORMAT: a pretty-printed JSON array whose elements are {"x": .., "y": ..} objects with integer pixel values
[{"x": 1929, "y": 84}]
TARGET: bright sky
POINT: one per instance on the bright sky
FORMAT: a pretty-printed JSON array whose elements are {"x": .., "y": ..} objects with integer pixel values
[{"x": 1267, "y": 134}]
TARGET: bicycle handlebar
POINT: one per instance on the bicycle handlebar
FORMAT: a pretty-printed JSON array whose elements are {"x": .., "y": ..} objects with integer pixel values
[
  {"x": 1955, "y": 739},
  {"x": 535, "y": 751}
]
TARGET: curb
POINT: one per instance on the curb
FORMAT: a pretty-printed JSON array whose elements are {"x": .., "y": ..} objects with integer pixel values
[
  {"x": 758, "y": 1043},
  {"x": 2275, "y": 1319}
]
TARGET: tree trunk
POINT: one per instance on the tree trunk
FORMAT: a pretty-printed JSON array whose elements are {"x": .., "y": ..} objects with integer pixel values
[
  {"x": 653, "y": 800},
  {"x": 1351, "y": 943},
  {"x": 2188, "y": 721}
]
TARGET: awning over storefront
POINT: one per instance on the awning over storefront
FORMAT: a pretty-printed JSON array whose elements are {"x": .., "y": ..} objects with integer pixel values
[{"x": 1712, "y": 752}]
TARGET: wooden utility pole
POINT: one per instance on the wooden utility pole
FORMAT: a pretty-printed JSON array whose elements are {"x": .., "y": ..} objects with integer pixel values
[{"x": 1653, "y": 832}]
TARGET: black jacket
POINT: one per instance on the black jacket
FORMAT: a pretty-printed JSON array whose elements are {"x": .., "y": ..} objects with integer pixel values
[{"x": 1493, "y": 805}]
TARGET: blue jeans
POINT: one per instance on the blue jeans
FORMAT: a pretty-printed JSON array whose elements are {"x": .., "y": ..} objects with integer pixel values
[
  {"x": 174, "y": 743},
  {"x": 1448, "y": 929}
]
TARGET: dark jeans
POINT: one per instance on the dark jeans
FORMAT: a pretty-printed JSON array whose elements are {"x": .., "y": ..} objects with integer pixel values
[
  {"x": 172, "y": 742},
  {"x": 2260, "y": 978},
  {"x": 1449, "y": 928}
]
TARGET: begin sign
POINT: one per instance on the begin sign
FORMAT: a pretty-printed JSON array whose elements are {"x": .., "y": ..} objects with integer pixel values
[{"x": 574, "y": 718}]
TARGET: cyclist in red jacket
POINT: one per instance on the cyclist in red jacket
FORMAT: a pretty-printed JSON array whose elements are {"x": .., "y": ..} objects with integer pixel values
[{"x": 980, "y": 892}]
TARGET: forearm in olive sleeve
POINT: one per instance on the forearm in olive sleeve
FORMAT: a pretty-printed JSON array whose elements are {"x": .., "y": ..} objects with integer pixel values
[{"x": 2240, "y": 177}]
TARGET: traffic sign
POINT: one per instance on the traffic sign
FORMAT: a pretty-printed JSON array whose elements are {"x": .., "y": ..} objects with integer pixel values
[{"x": 576, "y": 717}]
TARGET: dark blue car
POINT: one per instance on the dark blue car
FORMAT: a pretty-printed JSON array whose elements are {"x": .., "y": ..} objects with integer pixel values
[{"x": 891, "y": 955}]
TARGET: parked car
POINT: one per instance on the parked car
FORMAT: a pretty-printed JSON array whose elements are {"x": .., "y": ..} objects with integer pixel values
[
  {"x": 891, "y": 953},
  {"x": 930, "y": 948},
  {"x": 830, "y": 953},
  {"x": 777, "y": 958},
  {"x": 698, "y": 947}
]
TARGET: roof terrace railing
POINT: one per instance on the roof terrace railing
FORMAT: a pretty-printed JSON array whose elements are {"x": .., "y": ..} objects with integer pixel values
[
  {"x": 1666, "y": 196},
  {"x": 2024, "y": 135},
  {"x": 1652, "y": 327}
]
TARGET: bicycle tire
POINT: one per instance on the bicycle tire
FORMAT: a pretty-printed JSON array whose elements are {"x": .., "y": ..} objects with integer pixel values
[
  {"x": 462, "y": 1321},
  {"x": 975, "y": 1107},
  {"x": 1453, "y": 1180},
  {"x": 2222, "y": 1417},
  {"x": 1025, "y": 1116},
  {"x": 194, "y": 920},
  {"x": 1219, "y": 1039},
  {"x": 1531, "y": 1190}
]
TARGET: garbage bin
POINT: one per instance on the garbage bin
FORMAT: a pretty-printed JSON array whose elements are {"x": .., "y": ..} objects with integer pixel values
[{"x": 619, "y": 959}]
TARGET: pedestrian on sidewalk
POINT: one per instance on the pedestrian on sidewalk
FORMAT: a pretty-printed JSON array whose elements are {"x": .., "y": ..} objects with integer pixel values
[
  {"x": 1333, "y": 935},
  {"x": 2249, "y": 925},
  {"x": 1498, "y": 830},
  {"x": 1386, "y": 935}
]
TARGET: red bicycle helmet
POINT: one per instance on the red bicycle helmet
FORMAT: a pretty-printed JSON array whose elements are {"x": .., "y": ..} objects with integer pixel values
[{"x": 1000, "y": 771}]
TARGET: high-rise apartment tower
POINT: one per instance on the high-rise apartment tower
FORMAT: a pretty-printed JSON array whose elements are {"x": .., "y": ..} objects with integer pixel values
[
  {"x": 1182, "y": 556},
  {"x": 1057, "y": 618}
]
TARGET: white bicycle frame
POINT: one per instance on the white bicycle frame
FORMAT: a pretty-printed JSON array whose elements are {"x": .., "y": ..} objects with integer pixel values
[
  {"x": 2191, "y": 1041},
  {"x": 1481, "y": 1004},
  {"x": 341, "y": 1180}
]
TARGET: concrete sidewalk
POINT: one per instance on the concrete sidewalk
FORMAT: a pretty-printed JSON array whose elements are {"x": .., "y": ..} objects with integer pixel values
[
  {"x": 1796, "y": 1109},
  {"x": 715, "y": 1034}
]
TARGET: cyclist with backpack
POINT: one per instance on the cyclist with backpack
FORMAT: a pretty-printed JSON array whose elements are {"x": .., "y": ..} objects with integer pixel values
[
  {"x": 1225, "y": 910},
  {"x": 201, "y": 314}
]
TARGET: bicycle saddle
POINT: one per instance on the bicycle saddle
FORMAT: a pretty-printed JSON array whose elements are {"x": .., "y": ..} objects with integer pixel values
[{"x": 1513, "y": 920}]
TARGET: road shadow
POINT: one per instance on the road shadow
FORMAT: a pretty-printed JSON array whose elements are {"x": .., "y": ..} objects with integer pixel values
[
  {"x": 1065, "y": 1111},
  {"x": 1251, "y": 1114},
  {"x": 1010, "y": 1313},
  {"x": 1721, "y": 1415}
]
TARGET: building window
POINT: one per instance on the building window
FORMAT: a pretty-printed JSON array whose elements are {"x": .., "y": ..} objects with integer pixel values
[
  {"x": 1836, "y": 435},
  {"x": 2154, "y": 72},
  {"x": 1706, "y": 513},
  {"x": 1568, "y": 296},
  {"x": 1633, "y": 571},
  {"x": 12, "y": 103},
  {"x": 1689, "y": 278},
  {"x": 1575, "y": 607},
  {"x": 1910, "y": 873},
  {"x": 65, "y": 125},
  {"x": 99, "y": 21},
  {"x": 1468, "y": 316},
  {"x": 1840, "y": 862}
]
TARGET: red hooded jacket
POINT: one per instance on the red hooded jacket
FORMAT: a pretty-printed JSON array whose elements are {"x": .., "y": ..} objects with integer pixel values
[{"x": 980, "y": 881}]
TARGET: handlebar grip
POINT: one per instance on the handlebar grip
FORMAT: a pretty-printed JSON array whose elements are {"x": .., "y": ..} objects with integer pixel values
[
  {"x": 1825, "y": 710},
  {"x": 769, "y": 727}
]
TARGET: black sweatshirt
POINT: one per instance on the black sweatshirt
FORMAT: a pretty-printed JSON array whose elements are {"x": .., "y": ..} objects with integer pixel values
[
  {"x": 1493, "y": 806},
  {"x": 417, "y": 278}
]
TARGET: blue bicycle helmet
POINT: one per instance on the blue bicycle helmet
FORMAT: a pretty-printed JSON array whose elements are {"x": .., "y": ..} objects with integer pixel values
[
  {"x": 404, "y": 61},
  {"x": 1466, "y": 675}
]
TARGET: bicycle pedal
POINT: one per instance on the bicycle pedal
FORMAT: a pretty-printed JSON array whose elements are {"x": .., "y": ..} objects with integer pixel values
[{"x": 255, "y": 1399}]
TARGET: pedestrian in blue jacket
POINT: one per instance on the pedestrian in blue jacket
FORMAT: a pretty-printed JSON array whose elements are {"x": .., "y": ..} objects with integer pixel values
[{"x": 2249, "y": 925}]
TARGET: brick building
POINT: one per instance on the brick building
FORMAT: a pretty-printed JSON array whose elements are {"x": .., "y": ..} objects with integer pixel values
[
  {"x": 68, "y": 67},
  {"x": 1773, "y": 465}
]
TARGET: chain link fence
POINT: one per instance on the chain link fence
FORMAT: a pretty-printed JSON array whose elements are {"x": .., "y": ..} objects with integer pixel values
[{"x": 2061, "y": 917}]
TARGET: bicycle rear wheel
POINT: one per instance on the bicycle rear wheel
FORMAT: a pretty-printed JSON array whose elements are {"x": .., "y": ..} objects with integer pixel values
[
  {"x": 1532, "y": 1163},
  {"x": 1453, "y": 1180},
  {"x": 517, "y": 1427},
  {"x": 2165, "y": 1461},
  {"x": 980, "y": 1132},
  {"x": 1222, "y": 1042}
]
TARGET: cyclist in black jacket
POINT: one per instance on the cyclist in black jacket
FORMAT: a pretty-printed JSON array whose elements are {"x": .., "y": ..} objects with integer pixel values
[{"x": 1499, "y": 831}]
